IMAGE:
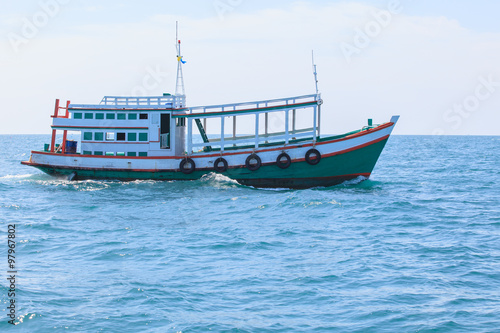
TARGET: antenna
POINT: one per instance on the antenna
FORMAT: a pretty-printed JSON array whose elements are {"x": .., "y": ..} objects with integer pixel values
[
  {"x": 179, "y": 85},
  {"x": 318, "y": 96},
  {"x": 315, "y": 73}
]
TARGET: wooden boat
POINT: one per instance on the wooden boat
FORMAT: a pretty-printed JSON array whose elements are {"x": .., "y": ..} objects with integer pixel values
[{"x": 128, "y": 138}]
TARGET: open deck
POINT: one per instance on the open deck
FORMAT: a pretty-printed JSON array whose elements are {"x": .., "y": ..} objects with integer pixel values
[{"x": 261, "y": 109}]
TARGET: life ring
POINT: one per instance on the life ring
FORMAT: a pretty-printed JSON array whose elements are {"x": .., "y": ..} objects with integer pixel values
[
  {"x": 187, "y": 166},
  {"x": 283, "y": 164},
  {"x": 315, "y": 158},
  {"x": 218, "y": 167},
  {"x": 253, "y": 166}
]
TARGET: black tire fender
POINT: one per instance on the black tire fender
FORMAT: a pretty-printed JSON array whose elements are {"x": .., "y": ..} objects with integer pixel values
[
  {"x": 187, "y": 166},
  {"x": 218, "y": 167},
  {"x": 279, "y": 160},
  {"x": 253, "y": 167},
  {"x": 316, "y": 156}
]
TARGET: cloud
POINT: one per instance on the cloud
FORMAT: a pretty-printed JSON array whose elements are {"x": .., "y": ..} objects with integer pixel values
[{"x": 415, "y": 66}]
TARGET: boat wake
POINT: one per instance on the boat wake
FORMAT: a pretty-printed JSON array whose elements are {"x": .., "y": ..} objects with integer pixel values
[
  {"x": 356, "y": 181},
  {"x": 16, "y": 177},
  {"x": 218, "y": 180},
  {"x": 61, "y": 182}
]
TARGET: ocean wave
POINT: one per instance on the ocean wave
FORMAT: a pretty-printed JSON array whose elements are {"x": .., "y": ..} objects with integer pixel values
[{"x": 23, "y": 176}]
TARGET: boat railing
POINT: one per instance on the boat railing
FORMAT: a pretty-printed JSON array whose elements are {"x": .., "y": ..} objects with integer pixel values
[
  {"x": 257, "y": 140},
  {"x": 277, "y": 135},
  {"x": 289, "y": 107},
  {"x": 148, "y": 101},
  {"x": 254, "y": 105}
]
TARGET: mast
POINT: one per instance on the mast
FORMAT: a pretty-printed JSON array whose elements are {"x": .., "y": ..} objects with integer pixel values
[
  {"x": 179, "y": 85},
  {"x": 318, "y": 97},
  {"x": 315, "y": 73}
]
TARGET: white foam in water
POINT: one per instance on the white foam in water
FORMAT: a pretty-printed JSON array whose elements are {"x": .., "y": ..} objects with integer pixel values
[
  {"x": 19, "y": 176},
  {"x": 355, "y": 181},
  {"x": 219, "y": 178}
]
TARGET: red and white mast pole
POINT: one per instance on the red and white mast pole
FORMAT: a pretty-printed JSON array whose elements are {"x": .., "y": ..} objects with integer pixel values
[{"x": 179, "y": 85}]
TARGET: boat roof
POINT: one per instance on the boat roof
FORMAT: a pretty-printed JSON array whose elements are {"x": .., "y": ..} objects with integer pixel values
[{"x": 167, "y": 101}]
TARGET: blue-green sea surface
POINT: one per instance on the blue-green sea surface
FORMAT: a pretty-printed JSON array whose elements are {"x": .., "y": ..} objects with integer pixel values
[{"x": 416, "y": 248}]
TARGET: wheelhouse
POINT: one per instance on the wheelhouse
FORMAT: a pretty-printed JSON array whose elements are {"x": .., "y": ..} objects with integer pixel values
[{"x": 121, "y": 126}]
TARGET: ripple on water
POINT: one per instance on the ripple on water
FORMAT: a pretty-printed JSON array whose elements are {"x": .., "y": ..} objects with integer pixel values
[{"x": 413, "y": 248}]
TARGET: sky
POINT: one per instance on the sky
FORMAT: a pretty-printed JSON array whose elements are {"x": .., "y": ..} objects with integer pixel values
[{"x": 436, "y": 63}]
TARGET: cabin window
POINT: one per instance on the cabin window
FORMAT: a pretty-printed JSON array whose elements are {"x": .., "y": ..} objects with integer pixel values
[
  {"x": 143, "y": 153},
  {"x": 143, "y": 116},
  {"x": 143, "y": 136},
  {"x": 77, "y": 115},
  {"x": 86, "y": 152},
  {"x": 98, "y": 136},
  {"x": 110, "y": 136},
  {"x": 99, "y": 116},
  {"x": 89, "y": 116},
  {"x": 98, "y": 153},
  {"x": 110, "y": 153},
  {"x": 131, "y": 153},
  {"x": 120, "y": 136},
  {"x": 132, "y": 136},
  {"x": 121, "y": 116},
  {"x": 132, "y": 116},
  {"x": 120, "y": 154},
  {"x": 87, "y": 136},
  {"x": 110, "y": 116}
]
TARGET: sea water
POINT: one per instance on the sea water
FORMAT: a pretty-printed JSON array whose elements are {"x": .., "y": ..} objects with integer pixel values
[{"x": 416, "y": 248}]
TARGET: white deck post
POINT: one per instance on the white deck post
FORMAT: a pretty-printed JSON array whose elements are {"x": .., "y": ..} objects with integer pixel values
[
  {"x": 319, "y": 120},
  {"x": 315, "y": 126},
  {"x": 190, "y": 136},
  {"x": 205, "y": 121},
  {"x": 286, "y": 127},
  {"x": 293, "y": 120},
  {"x": 222, "y": 134},
  {"x": 267, "y": 122},
  {"x": 234, "y": 127},
  {"x": 256, "y": 130}
]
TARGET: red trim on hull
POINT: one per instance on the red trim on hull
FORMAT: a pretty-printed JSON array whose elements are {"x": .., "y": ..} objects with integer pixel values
[
  {"x": 180, "y": 158},
  {"x": 124, "y": 109},
  {"x": 119, "y": 142},
  {"x": 365, "y": 132},
  {"x": 383, "y": 126},
  {"x": 350, "y": 149},
  {"x": 98, "y": 127}
]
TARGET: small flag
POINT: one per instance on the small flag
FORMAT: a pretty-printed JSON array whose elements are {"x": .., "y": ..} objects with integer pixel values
[{"x": 181, "y": 60}]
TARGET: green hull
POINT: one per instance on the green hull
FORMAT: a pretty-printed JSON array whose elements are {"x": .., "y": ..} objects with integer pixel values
[{"x": 329, "y": 171}]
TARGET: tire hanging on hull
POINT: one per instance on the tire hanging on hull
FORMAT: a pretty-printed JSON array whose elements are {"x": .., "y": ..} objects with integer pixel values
[
  {"x": 315, "y": 158},
  {"x": 220, "y": 168},
  {"x": 187, "y": 166},
  {"x": 283, "y": 164},
  {"x": 253, "y": 166}
]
